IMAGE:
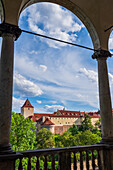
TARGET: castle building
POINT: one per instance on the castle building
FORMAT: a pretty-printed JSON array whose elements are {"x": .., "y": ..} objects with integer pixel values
[
  {"x": 57, "y": 122},
  {"x": 27, "y": 109}
]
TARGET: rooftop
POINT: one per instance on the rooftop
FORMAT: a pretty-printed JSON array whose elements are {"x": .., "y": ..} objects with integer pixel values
[
  {"x": 27, "y": 104},
  {"x": 47, "y": 122}
]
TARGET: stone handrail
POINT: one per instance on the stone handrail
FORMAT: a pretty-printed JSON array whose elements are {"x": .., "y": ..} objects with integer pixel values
[{"x": 68, "y": 158}]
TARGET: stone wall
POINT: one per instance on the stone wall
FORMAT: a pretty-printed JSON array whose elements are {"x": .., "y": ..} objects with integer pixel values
[{"x": 61, "y": 129}]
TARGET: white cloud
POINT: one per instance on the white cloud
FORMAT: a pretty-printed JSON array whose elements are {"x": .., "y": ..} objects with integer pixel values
[
  {"x": 33, "y": 52},
  {"x": 65, "y": 80},
  {"x": 17, "y": 103},
  {"x": 53, "y": 108},
  {"x": 25, "y": 87},
  {"x": 90, "y": 74},
  {"x": 29, "y": 67},
  {"x": 54, "y": 102},
  {"x": 58, "y": 71},
  {"x": 55, "y": 21},
  {"x": 43, "y": 67},
  {"x": 38, "y": 101}
]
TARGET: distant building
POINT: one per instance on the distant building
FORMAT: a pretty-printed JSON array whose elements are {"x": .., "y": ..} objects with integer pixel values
[
  {"x": 57, "y": 122},
  {"x": 27, "y": 109}
]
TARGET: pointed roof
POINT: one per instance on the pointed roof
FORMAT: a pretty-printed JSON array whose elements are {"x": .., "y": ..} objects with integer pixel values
[
  {"x": 47, "y": 122},
  {"x": 27, "y": 104}
]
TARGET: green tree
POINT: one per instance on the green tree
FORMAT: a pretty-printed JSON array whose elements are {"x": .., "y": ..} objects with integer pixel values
[
  {"x": 45, "y": 139},
  {"x": 57, "y": 139},
  {"x": 88, "y": 138},
  {"x": 98, "y": 129},
  {"x": 22, "y": 136},
  {"x": 86, "y": 124},
  {"x": 73, "y": 130},
  {"x": 68, "y": 140}
]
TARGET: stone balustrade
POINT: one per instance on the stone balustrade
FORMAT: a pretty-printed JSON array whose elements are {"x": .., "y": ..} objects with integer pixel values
[{"x": 87, "y": 157}]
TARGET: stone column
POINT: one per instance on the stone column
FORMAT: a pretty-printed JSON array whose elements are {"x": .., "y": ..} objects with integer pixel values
[
  {"x": 104, "y": 96},
  {"x": 9, "y": 33},
  {"x": 105, "y": 108}
]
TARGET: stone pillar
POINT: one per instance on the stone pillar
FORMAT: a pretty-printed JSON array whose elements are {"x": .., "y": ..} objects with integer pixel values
[
  {"x": 9, "y": 33},
  {"x": 104, "y": 96},
  {"x": 105, "y": 108}
]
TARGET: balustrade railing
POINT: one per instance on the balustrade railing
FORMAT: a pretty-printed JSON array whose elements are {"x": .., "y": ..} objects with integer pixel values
[{"x": 66, "y": 158}]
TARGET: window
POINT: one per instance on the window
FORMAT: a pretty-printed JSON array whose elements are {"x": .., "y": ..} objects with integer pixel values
[{"x": 28, "y": 108}]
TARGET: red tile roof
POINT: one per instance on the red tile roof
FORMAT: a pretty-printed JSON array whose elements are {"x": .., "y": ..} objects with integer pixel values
[
  {"x": 69, "y": 113},
  {"x": 66, "y": 113},
  {"x": 39, "y": 120},
  {"x": 93, "y": 114},
  {"x": 33, "y": 118},
  {"x": 47, "y": 122},
  {"x": 27, "y": 104}
]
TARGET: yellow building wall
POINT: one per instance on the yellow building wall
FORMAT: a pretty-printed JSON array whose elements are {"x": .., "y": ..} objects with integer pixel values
[
  {"x": 69, "y": 120},
  {"x": 27, "y": 111}
]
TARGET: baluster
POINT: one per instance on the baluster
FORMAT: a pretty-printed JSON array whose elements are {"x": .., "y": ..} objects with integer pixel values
[
  {"x": 81, "y": 161},
  {"x": 75, "y": 162},
  {"x": 62, "y": 161},
  {"x": 29, "y": 164},
  {"x": 20, "y": 164},
  {"x": 99, "y": 161},
  {"x": 53, "y": 162},
  {"x": 45, "y": 163},
  {"x": 37, "y": 164},
  {"x": 68, "y": 161},
  {"x": 87, "y": 160},
  {"x": 93, "y": 161}
]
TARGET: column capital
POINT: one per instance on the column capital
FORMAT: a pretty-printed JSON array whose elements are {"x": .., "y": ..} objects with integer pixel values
[
  {"x": 6, "y": 28},
  {"x": 101, "y": 54}
]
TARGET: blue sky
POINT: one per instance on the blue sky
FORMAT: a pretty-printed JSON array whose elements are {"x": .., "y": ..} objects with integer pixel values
[{"x": 54, "y": 75}]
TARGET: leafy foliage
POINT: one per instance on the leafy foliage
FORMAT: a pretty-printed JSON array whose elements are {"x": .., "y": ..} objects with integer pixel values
[
  {"x": 73, "y": 129},
  {"x": 22, "y": 136},
  {"x": 88, "y": 138},
  {"x": 86, "y": 124},
  {"x": 45, "y": 139}
]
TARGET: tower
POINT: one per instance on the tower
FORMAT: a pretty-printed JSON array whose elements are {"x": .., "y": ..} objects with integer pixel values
[{"x": 27, "y": 109}]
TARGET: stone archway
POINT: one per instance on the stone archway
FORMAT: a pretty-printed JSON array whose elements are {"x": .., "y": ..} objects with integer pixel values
[
  {"x": 96, "y": 18},
  {"x": 78, "y": 12},
  {"x": 101, "y": 56}
]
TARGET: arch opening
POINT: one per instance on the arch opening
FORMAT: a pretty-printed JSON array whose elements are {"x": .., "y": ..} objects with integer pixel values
[{"x": 49, "y": 68}]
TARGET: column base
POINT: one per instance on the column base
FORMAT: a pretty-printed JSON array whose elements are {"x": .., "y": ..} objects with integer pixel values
[
  {"x": 6, "y": 149},
  {"x": 108, "y": 141},
  {"x": 7, "y": 161},
  {"x": 9, "y": 165}
]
